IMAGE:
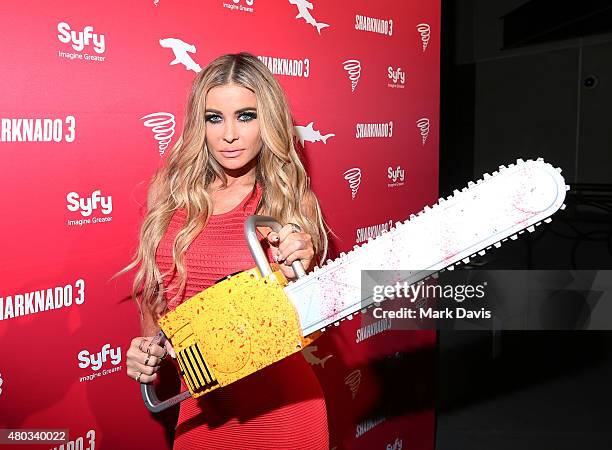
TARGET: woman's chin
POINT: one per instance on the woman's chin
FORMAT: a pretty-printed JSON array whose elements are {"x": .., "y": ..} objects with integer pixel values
[{"x": 237, "y": 168}]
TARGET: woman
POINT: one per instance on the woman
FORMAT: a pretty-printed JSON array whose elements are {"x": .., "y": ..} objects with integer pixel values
[{"x": 235, "y": 157}]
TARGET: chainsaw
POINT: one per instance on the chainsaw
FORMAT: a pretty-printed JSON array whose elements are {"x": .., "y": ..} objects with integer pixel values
[{"x": 252, "y": 319}]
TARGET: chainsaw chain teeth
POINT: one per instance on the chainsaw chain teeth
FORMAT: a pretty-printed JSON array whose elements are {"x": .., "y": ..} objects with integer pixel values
[{"x": 457, "y": 196}]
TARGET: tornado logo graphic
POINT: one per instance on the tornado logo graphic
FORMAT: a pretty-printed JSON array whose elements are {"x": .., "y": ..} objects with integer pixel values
[
  {"x": 353, "y": 380},
  {"x": 425, "y": 30},
  {"x": 353, "y": 176},
  {"x": 162, "y": 124},
  {"x": 353, "y": 67},
  {"x": 423, "y": 126}
]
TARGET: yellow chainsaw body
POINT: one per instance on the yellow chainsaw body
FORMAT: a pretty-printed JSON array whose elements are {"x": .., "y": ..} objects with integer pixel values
[{"x": 232, "y": 329}]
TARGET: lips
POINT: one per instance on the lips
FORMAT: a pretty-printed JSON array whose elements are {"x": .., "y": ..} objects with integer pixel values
[{"x": 232, "y": 153}]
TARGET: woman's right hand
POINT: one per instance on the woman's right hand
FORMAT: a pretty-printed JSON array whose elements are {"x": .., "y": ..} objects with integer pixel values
[{"x": 144, "y": 358}]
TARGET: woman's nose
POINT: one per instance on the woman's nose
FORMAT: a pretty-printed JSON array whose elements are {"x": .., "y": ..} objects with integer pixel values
[{"x": 230, "y": 133}]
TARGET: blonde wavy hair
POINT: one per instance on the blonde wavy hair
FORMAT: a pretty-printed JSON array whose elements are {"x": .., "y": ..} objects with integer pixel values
[{"x": 183, "y": 181}]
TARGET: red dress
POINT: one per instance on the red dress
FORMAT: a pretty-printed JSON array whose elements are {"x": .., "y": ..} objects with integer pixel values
[{"x": 280, "y": 407}]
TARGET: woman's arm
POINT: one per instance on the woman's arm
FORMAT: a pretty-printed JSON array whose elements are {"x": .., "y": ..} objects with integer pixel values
[{"x": 148, "y": 325}]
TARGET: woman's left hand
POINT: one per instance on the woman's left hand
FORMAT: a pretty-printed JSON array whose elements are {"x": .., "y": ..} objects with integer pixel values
[{"x": 289, "y": 245}]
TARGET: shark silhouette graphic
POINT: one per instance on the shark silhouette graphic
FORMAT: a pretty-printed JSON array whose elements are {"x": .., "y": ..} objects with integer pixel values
[
  {"x": 180, "y": 49},
  {"x": 309, "y": 356},
  {"x": 303, "y": 7},
  {"x": 309, "y": 134}
]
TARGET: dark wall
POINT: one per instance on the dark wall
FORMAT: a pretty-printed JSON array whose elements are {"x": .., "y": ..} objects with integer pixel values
[{"x": 547, "y": 99}]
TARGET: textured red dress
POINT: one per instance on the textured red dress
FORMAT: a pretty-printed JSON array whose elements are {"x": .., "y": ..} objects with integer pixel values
[{"x": 280, "y": 407}]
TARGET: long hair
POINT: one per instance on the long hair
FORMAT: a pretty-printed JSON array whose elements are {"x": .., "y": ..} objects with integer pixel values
[{"x": 183, "y": 181}]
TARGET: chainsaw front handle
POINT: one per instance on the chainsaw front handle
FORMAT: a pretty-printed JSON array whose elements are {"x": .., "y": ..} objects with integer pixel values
[{"x": 257, "y": 251}]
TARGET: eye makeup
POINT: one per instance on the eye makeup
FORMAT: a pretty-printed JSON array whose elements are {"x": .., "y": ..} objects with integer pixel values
[
  {"x": 247, "y": 116},
  {"x": 212, "y": 118},
  {"x": 244, "y": 115}
]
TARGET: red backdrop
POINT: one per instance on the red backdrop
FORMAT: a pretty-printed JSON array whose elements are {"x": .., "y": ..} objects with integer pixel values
[{"x": 92, "y": 102}]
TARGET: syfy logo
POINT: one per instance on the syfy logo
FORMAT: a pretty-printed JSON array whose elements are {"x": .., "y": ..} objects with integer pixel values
[
  {"x": 38, "y": 130},
  {"x": 395, "y": 445},
  {"x": 353, "y": 176},
  {"x": 87, "y": 205},
  {"x": 353, "y": 67},
  {"x": 395, "y": 176},
  {"x": 286, "y": 66},
  {"x": 374, "y": 130},
  {"x": 81, "y": 39},
  {"x": 96, "y": 360},
  {"x": 240, "y": 5},
  {"x": 397, "y": 77},
  {"x": 380, "y": 26}
]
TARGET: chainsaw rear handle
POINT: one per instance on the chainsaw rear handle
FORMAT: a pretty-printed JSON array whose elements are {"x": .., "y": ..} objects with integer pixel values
[
  {"x": 151, "y": 401},
  {"x": 258, "y": 253}
]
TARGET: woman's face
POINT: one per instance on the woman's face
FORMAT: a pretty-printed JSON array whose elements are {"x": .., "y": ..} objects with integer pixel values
[{"x": 232, "y": 127}]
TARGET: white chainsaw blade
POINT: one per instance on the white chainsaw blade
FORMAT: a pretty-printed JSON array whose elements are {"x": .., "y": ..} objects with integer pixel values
[{"x": 470, "y": 221}]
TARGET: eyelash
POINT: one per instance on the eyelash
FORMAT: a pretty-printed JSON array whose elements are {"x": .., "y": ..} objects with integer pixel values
[
  {"x": 249, "y": 116},
  {"x": 212, "y": 118}
]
